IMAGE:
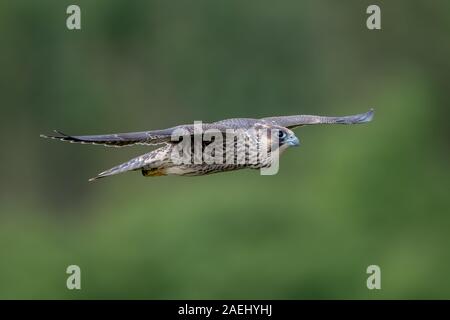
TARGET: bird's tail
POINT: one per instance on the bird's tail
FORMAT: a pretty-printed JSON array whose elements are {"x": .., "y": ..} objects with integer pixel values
[{"x": 131, "y": 165}]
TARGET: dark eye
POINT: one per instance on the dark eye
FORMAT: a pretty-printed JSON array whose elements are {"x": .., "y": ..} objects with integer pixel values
[{"x": 281, "y": 134}]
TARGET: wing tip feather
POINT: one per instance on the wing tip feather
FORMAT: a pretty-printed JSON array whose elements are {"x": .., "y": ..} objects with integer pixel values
[
  {"x": 367, "y": 117},
  {"x": 60, "y": 135}
]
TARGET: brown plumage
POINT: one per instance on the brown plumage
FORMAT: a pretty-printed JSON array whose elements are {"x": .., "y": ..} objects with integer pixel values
[{"x": 160, "y": 161}]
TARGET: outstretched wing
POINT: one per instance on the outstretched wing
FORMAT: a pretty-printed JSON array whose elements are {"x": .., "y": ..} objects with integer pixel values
[
  {"x": 132, "y": 138},
  {"x": 166, "y": 135},
  {"x": 301, "y": 120},
  {"x": 115, "y": 139}
]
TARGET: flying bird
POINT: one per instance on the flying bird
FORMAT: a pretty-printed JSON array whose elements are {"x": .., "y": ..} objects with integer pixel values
[{"x": 161, "y": 162}]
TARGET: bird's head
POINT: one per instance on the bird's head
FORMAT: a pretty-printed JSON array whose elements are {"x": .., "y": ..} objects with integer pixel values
[
  {"x": 286, "y": 138},
  {"x": 279, "y": 137}
]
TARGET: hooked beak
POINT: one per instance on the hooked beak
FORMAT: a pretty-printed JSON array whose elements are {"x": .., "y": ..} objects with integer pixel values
[{"x": 293, "y": 141}]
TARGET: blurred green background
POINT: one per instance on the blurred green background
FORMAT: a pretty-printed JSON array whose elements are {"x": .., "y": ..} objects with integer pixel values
[{"x": 349, "y": 197}]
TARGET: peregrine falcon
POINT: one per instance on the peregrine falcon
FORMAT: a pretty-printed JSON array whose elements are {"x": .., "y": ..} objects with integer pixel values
[{"x": 273, "y": 133}]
